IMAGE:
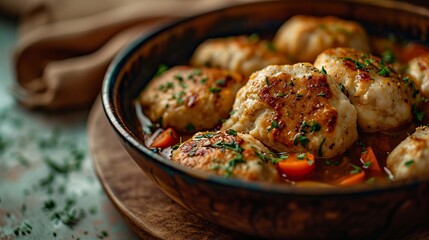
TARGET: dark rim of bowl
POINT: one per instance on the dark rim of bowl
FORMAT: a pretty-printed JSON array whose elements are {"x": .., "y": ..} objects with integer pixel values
[{"x": 110, "y": 87}]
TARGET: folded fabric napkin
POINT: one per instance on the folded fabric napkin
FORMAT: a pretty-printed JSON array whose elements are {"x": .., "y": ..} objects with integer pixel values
[{"x": 65, "y": 46}]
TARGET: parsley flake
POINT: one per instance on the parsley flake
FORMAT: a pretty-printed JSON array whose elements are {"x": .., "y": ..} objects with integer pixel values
[
  {"x": 215, "y": 90},
  {"x": 385, "y": 72},
  {"x": 274, "y": 124},
  {"x": 267, "y": 81},
  {"x": 388, "y": 56},
  {"x": 190, "y": 127},
  {"x": 221, "y": 82},
  {"x": 409, "y": 163},
  {"x": 162, "y": 68}
]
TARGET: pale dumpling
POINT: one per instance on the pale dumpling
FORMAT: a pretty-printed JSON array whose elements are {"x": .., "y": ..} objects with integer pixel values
[
  {"x": 191, "y": 99},
  {"x": 382, "y": 98},
  {"x": 243, "y": 54},
  {"x": 295, "y": 108},
  {"x": 228, "y": 153},
  {"x": 302, "y": 38},
  {"x": 410, "y": 159},
  {"x": 418, "y": 70}
]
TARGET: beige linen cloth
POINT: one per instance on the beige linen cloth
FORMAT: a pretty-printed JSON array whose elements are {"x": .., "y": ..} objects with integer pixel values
[{"x": 65, "y": 46}]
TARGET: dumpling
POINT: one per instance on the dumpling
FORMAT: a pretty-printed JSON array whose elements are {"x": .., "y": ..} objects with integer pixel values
[
  {"x": 295, "y": 108},
  {"x": 382, "y": 98},
  {"x": 191, "y": 99},
  {"x": 411, "y": 157},
  {"x": 227, "y": 153},
  {"x": 418, "y": 69},
  {"x": 241, "y": 54},
  {"x": 302, "y": 38}
]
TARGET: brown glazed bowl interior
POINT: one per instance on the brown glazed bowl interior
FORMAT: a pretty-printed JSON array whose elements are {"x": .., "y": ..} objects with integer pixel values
[{"x": 261, "y": 209}]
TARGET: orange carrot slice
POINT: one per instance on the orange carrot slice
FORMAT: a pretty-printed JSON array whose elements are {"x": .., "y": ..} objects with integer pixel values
[
  {"x": 167, "y": 138},
  {"x": 297, "y": 165},
  {"x": 353, "y": 179}
]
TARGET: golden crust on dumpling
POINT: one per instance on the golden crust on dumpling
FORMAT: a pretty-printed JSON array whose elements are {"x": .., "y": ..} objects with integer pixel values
[
  {"x": 302, "y": 38},
  {"x": 241, "y": 54},
  {"x": 295, "y": 108},
  {"x": 191, "y": 99},
  {"x": 227, "y": 153},
  {"x": 382, "y": 98}
]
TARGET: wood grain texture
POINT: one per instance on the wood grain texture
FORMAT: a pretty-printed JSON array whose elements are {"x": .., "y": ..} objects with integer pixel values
[{"x": 147, "y": 210}]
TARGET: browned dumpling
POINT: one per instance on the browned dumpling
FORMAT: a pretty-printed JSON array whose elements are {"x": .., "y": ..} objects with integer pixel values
[
  {"x": 382, "y": 99},
  {"x": 418, "y": 70},
  {"x": 228, "y": 153},
  {"x": 295, "y": 108},
  {"x": 241, "y": 54},
  {"x": 191, "y": 99},
  {"x": 302, "y": 38},
  {"x": 411, "y": 157}
]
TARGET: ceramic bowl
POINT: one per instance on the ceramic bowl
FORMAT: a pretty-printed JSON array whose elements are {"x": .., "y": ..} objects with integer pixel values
[{"x": 260, "y": 209}]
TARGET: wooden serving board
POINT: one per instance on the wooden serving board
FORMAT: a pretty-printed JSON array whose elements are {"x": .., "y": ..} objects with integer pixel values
[{"x": 147, "y": 210}]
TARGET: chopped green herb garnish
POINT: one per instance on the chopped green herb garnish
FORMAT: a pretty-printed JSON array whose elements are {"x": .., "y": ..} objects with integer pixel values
[
  {"x": 229, "y": 168},
  {"x": 177, "y": 145},
  {"x": 270, "y": 46},
  {"x": 343, "y": 89},
  {"x": 197, "y": 71},
  {"x": 267, "y": 81},
  {"x": 368, "y": 62},
  {"x": 303, "y": 140},
  {"x": 385, "y": 71},
  {"x": 178, "y": 97},
  {"x": 205, "y": 135},
  {"x": 231, "y": 132},
  {"x": 204, "y": 80},
  {"x": 359, "y": 65},
  {"x": 409, "y": 163},
  {"x": 178, "y": 77},
  {"x": 298, "y": 95},
  {"x": 300, "y": 156},
  {"x": 406, "y": 80},
  {"x": 274, "y": 124},
  {"x": 93, "y": 210},
  {"x": 232, "y": 145},
  {"x": 321, "y": 94},
  {"x": 221, "y": 82},
  {"x": 254, "y": 37},
  {"x": 161, "y": 69},
  {"x": 215, "y": 90},
  {"x": 262, "y": 155},
  {"x": 166, "y": 86},
  {"x": 388, "y": 56},
  {"x": 49, "y": 205},
  {"x": 190, "y": 127},
  {"x": 419, "y": 115},
  {"x": 310, "y": 162},
  {"x": 323, "y": 70},
  {"x": 183, "y": 85},
  {"x": 320, "y": 147},
  {"x": 315, "y": 127},
  {"x": 356, "y": 169},
  {"x": 367, "y": 164},
  {"x": 370, "y": 180},
  {"x": 280, "y": 95}
]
